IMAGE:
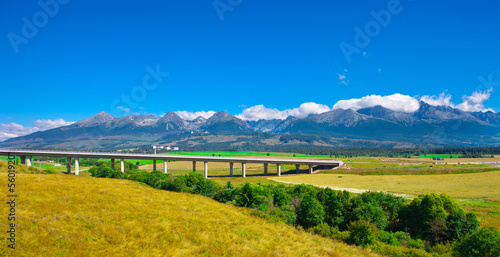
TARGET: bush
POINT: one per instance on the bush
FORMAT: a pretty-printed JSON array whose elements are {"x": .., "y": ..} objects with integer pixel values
[
  {"x": 310, "y": 213},
  {"x": 324, "y": 230},
  {"x": 362, "y": 233},
  {"x": 280, "y": 196},
  {"x": 286, "y": 213},
  {"x": 205, "y": 187},
  {"x": 483, "y": 243},
  {"x": 398, "y": 251},
  {"x": 436, "y": 218},
  {"x": 336, "y": 205},
  {"x": 245, "y": 196},
  {"x": 225, "y": 194}
]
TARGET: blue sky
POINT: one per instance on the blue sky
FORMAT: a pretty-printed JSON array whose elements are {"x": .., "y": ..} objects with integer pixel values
[{"x": 87, "y": 56}]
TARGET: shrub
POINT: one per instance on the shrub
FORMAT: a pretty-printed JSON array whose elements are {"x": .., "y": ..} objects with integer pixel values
[
  {"x": 225, "y": 194},
  {"x": 436, "y": 218},
  {"x": 398, "y": 251},
  {"x": 336, "y": 205},
  {"x": 245, "y": 196},
  {"x": 483, "y": 243},
  {"x": 280, "y": 196},
  {"x": 205, "y": 187},
  {"x": 362, "y": 233},
  {"x": 285, "y": 213},
  {"x": 324, "y": 230},
  {"x": 178, "y": 184},
  {"x": 310, "y": 212}
]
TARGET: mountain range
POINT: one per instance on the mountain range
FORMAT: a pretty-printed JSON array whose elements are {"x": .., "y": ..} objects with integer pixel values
[{"x": 429, "y": 126}]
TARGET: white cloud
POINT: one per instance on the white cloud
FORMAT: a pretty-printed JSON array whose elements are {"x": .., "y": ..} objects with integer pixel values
[
  {"x": 193, "y": 115},
  {"x": 50, "y": 124},
  {"x": 396, "y": 102},
  {"x": 259, "y": 112},
  {"x": 474, "y": 102},
  {"x": 125, "y": 109},
  {"x": 442, "y": 99},
  {"x": 10, "y": 130}
]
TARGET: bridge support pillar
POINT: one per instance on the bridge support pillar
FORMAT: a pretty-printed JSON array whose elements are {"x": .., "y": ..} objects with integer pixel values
[
  {"x": 28, "y": 160},
  {"x": 68, "y": 165},
  {"x": 278, "y": 168},
  {"x": 154, "y": 165},
  {"x": 113, "y": 163},
  {"x": 244, "y": 169},
  {"x": 231, "y": 164},
  {"x": 194, "y": 166},
  {"x": 265, "y": 168},
  {"x": 297, "y": 168},
  {"x": 122, "y": 165},
  {"x": 165, "y": 166},
  {"x": 310, "y": 169},
  {"x": 23, "y": 159},
  {"x": 77, "y": 165},
  {"x": 205, "y": 169}
]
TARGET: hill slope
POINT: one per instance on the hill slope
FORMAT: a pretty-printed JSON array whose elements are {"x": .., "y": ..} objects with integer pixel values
[{"x": 75, "y": 215}]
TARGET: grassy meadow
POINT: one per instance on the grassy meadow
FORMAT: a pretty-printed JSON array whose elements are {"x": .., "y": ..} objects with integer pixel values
[{"x": 65, "y": 215}]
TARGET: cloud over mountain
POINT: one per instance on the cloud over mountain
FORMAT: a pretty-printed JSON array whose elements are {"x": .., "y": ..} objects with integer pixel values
[
  {"x": 259, "y": 112},
  {"x": 472, "y": 103},
  {"x": 10, "y": 130},
  {"x": 395, "y": 102},
  {"x": 193, "y": 115}
]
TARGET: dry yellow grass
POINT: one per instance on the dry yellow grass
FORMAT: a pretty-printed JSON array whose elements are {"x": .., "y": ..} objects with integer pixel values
[
  {"x": 64, "y": 215},
  {"x": 484, "y": 186}
]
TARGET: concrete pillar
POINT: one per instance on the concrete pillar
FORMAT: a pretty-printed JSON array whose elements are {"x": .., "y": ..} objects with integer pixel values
[
  {"x": 265, "y": 168},
  {"x": 194, "y": 166},
  {"x": 68, "y": 165},
  {"x": 244, "y": 169},
  {"x": 77, "y": 165},
  {"x": 23, "y": 159},
  {"x": 122, "y": 165},
  {"x": 278, "y": 168},
  {"x": 310, "y": 169},
  {"x": 231, "y": 169},
  {"x": 205, "y": 169},
  {"x": 165, "y": 166},
  {"x": 113, "y": 163},
  {"x": 297, "y": 168},
  {"x": 28, "y": 160},
  {"x": 154, "y": 165}
]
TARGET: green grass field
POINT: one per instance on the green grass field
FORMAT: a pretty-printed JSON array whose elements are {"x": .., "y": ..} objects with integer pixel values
[
  {"x": 249, "y": 154},
  {"x": 446, "y": 156}
]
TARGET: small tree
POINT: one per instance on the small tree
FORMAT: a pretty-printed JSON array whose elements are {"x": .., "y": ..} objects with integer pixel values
[
  {"x": 246, "y": 196},
  {"x": 362, "y": 232},
  {"x": 483, "y": 243},
  {"x": 310, "y": 213}
]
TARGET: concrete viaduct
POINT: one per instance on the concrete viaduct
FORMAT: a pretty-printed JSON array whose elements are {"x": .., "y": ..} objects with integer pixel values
[{"x": 26, "y": 156}]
